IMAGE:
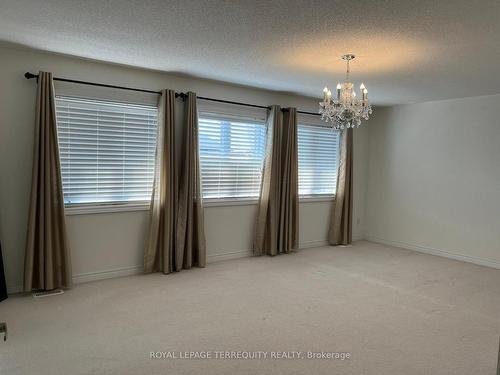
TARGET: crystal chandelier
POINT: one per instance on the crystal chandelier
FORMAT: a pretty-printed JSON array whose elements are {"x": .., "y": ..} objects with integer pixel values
[{"x": 347, "y": 110}]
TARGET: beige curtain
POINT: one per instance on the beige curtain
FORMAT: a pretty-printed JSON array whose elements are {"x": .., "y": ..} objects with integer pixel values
[
  {"x": 340, "y": 232},
  {"x": 47, "y": 262},
  {"x": 160, "y": 249},
  {"x": 277, "y": 218},
  {"x": 190, "y": 244},
  {"x": 289, "y": 207}
]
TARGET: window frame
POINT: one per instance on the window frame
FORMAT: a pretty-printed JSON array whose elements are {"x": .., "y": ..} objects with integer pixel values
[
  {"x": 238, "y": 114},
  {"x": 212, "y": 111},
  {"x": 110, "y": 206},
  {"x": 91, "y": 208},
  {"x": 307, "y": 120},
  {"x": 231, "y": 202}
]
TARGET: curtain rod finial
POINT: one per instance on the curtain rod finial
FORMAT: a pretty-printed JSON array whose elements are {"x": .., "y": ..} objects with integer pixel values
[{"x": 29, "y": 75}]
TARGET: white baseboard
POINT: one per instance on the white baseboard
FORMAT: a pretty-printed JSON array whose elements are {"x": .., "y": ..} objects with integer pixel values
[
  {"x": 107, "y": 274},
  {"x": 433, "y": 251},
  {"x": 309, "y": 244},
  {"x": 133, "y": 270},
  {"x": 90, "y": 276},
  {"x": 359, "y": 237},
  {"x": 211, "y": 258},
  {"x": 14, "y": 288}
]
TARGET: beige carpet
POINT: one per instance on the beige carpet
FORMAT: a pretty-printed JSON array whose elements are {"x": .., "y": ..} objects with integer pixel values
[{"x": 396, "y": 311}]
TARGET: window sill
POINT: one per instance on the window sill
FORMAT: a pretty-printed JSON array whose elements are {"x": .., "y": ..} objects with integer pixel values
[
  {"x": 317, "y": 198},
  {"x": 105, "y": 208},
  {"x": 144, "y": 206},
  {"x": 253, "y": 201},
  {"x": 230, "y": 202}
]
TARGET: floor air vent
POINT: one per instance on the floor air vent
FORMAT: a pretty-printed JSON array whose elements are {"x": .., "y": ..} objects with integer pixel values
[{"x": 47, "y": 293}]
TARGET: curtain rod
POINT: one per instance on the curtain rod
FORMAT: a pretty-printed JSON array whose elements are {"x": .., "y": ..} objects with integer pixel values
[
  {"x": 29, "y": 75},
  {"x": 181, "y": 95}
]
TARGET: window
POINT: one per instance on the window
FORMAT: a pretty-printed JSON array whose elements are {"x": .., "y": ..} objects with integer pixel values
[
  {"x": 231, "y": 156},
  {"x": 318, "y": 149},
  {"x": 107, "y": 150}
]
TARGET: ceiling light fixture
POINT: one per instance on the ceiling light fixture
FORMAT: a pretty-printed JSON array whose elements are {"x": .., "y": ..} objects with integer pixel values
[{"x": 347, "y": 110}]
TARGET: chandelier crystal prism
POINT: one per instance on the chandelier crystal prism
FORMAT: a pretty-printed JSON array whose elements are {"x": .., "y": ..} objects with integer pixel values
[{"x": 347, "y": 109}]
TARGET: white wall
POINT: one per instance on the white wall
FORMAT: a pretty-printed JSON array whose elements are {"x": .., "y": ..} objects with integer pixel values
[
  {"x": 111, "y": 244},
  {"x": 434, "y": 178}
]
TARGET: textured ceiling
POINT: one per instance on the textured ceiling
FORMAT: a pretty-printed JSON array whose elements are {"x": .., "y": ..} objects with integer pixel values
[{"x": 408, "y": 50}]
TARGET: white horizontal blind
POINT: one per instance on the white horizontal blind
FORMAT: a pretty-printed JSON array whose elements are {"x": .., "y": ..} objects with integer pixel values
[
  {"x": 318, "y": 149},
  {"x": 231, "y": 157},
  {"x": 107, "y": 150}
]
